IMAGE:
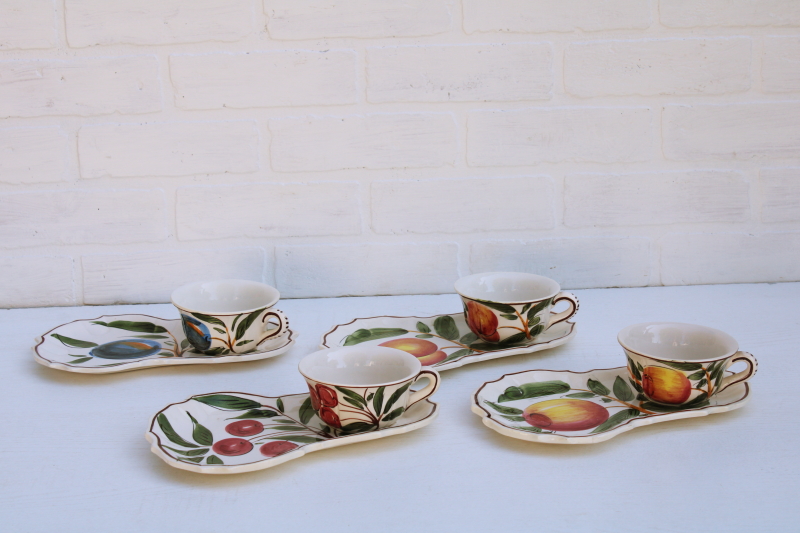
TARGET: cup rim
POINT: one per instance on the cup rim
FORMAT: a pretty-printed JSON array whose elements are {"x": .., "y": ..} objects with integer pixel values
[
  {"x": 362, "y": 386},
  {"x": 707, "y": 329},
  {"x": 535, "y": 277},
  {"x": 188, "y": 286}
]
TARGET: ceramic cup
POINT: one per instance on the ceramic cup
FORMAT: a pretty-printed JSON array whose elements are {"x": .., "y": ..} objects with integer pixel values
[
  {"x": 356, "y": 389},
  {"x": 511, "y": 307},
  {"x": 682, "y": 364},
  {"x": 228, "y": 316}
]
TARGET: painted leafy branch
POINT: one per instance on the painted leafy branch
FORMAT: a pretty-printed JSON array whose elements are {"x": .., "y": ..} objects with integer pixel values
[{"x": 233, "y": 336}]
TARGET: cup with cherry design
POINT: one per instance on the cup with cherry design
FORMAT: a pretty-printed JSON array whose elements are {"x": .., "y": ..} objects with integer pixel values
[{"x": 356, "y": 389}]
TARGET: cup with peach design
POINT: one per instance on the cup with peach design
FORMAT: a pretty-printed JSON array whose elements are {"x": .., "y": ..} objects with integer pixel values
[
  {"x": 682, "y": 365},
  {"x": 512, "y": 307},
  {"x": 364, "y": 388}
]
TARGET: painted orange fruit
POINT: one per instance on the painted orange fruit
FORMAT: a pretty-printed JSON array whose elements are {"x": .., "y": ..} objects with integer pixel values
[
  {"x": 426, "y": 351},
  {"x": 565, "y": 414},
  {"x": 666, "y": 385}
]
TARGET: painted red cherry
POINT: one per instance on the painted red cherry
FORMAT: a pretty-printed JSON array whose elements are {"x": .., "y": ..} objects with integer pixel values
[
  {"x": 314, "y": 398},
  {"x": 232, "y": 446},
  {"x": 245, "y": 428},
  {"x": 327, "y": 396},
  {"x": 278, "y": 447},
  {"x": 330, "y": 417}
]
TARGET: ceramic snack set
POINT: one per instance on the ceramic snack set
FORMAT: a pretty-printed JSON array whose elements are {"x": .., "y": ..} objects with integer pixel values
[{"x": 512, "y": 307}]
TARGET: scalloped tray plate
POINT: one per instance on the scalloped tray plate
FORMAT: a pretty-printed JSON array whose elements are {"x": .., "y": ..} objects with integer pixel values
[
  {"x": 454, "y": 355},
  {"x": 502, "y": 414},
  {"x": 189, "y": 435},
  {"x": 70, "y": 346}
]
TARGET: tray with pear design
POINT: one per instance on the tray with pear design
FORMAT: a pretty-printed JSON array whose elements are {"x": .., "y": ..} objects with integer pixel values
[{"x": 440, "y": 341}]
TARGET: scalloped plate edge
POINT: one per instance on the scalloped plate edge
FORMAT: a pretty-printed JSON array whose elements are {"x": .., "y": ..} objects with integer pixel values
[
  {"x": 154, "y": 441},
  {"x": 489, "y": 422}
]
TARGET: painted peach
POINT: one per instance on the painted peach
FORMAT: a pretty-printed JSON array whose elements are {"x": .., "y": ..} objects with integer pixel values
[
  {"x": 666, "y": 385},
  {"x": 565, "y": 414},
  {"x": 433, "y": 358},
  {"x": 482, "y": 321},
  {"x": 416, "y": 347}
]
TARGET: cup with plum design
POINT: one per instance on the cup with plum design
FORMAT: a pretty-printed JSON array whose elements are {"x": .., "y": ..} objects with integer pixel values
[
  {"x": 512, "y": 307},
  {"x": 357, "y": 389},
  {"x": 682, "y": 365}
]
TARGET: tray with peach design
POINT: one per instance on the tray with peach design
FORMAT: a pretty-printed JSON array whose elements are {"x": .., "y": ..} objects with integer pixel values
[
  {"x": 441, "y": 341},
  {"x": 119, "y": 343},
  {"x": 564, "y": 407},
  {"x": 234, "y": 432}
]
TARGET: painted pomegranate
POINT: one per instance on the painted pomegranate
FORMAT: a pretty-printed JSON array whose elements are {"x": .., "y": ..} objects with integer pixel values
[
  {"x": 245, "y": 428},
  {"x": 322, "y": 396},
  {"x": 233, "y": 446},
  {"x": 565, "y": 415},
  {"x": 425, "y": 351},
  {"x": 482, "y": 321},
  {"x": 277, "y": 447},
  {"x": 330, "y": 417},
  {"x": 666, "y": 385}
]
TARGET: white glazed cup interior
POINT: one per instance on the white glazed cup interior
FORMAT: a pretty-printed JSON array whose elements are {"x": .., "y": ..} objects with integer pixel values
[
  {"x": 677, "y": 342},
  {"x": 225, "y": 296},
  {"x": 356, "y": 366},
  {"x": 507, "y": 287}
]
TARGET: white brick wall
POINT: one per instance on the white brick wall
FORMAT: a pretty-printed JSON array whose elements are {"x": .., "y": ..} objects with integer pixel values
[{"x": 384, "y": 147}]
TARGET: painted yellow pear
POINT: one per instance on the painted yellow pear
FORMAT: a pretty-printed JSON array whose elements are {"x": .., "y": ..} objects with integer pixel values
[
  {"x": 666, "y": 385},
  {"x": 565, "y": 414}
]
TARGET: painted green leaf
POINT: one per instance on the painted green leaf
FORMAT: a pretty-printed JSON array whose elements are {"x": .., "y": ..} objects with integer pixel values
[
  {"x": 214, "y": 460},
  {"x": 370, "y": 396},
  {"x": 533, "y": 321},
  {"x": 209, "y": 319},
  {"x": 641, "y": 397},
  {"x": 303, "y": 439},
  {"x": 377, "y": 400},
  {"x": 597, "y": 387},
  {"x": 616, "y": 419},
  {"x": 152, "y": 337},
  {"x": 508, "y": 317},
  {"x": 288, "y": 428},
  {"x": 581, "y": 395},
  {"x": 446, "y": 327},
  {"x": 700, "y": 374},
  {"x": 634, "y": 370},
  {"x": 635, "y": 385},
  {"x": 423, "y": 328},
  {"x": 284, "y": 421},
  {"x": 514, "y": 418},
  {"x": 424, "y": 336},
  {"x": 279, "y": 404},
  {"x": 81, "y": 360},
  {"x": 255, "y": 413},
  {"x": 533, "y": 390},
  {"x": 190, "y": 453},
  {"x": 357, "y": 427},
  {"x": 220, "y": 330},
  {"x": 453, "y": 356},
  {"x": 219, "y": 350},
  {"x": 355, "y": 398},
  {"x": 171, "y": 434},
  {"x": 538, "y": 308},
  {"x": 226, "y": 401},
  {"x": 622, "y": 391},
  {"x": 200, "y": 433},
  {"x": 192, "y": 459},
  {"x": 660, "y": 408},
  {"x": 535, "y": 330},
  {"x": 468, "y": 338},
  {"x": 700, "y": 384},
  {"x": 719, "y": 371},
  {"x": 167, "y": 343},
  {"x": 240, "y": 343},
  {"x": 246, "y": 322},
  {"x": 395, "y": 396},
  {"x": 394, "y": 414},
  {"x": 306, "y": 411},
  {"x": 683, "y": 366},
  {"x": 74, "y": 343},
  {"x": 503, "y": 409},
  {"x": 606, "y": 400},
  {"x": 503, "y": 308},
  {"x": 531, "y": 429},
  {"x": 166, "y": 354},
  {"x": 525, "y": 308},
  {"x": 701, "y": 398},
  {"x": 363, "y": 335},
  {"x": 184, "y": 344},
  {"x": 513, "y": 339},
  {"x": 138, "y": 327},
  {"x": 639, "y": 366}
]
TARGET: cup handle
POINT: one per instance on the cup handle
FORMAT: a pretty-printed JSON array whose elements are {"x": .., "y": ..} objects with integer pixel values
[
  {"x": 429, "y": 389},
  {"x": 744, "y": 375},
  {"x": 574, "y": 305},
  {"x": 283, "y": 324}
]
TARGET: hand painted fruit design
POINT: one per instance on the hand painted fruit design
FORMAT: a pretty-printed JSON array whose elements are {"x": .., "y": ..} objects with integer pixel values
[
  {"x": 482, "y": 321},
  {"x": 268, "y": 428},
  {"x": 565, "y": 414},
  {"x": 196, "y": 332},
  {"x": 666, "y": 385},
  {"x": 322, "y": 399},
  {"x": 126, "y": 349},
  {"x": 426, "y": 352}
]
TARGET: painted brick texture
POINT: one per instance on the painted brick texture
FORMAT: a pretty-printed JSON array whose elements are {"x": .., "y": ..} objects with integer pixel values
[{"x": 382, "y": 147}]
